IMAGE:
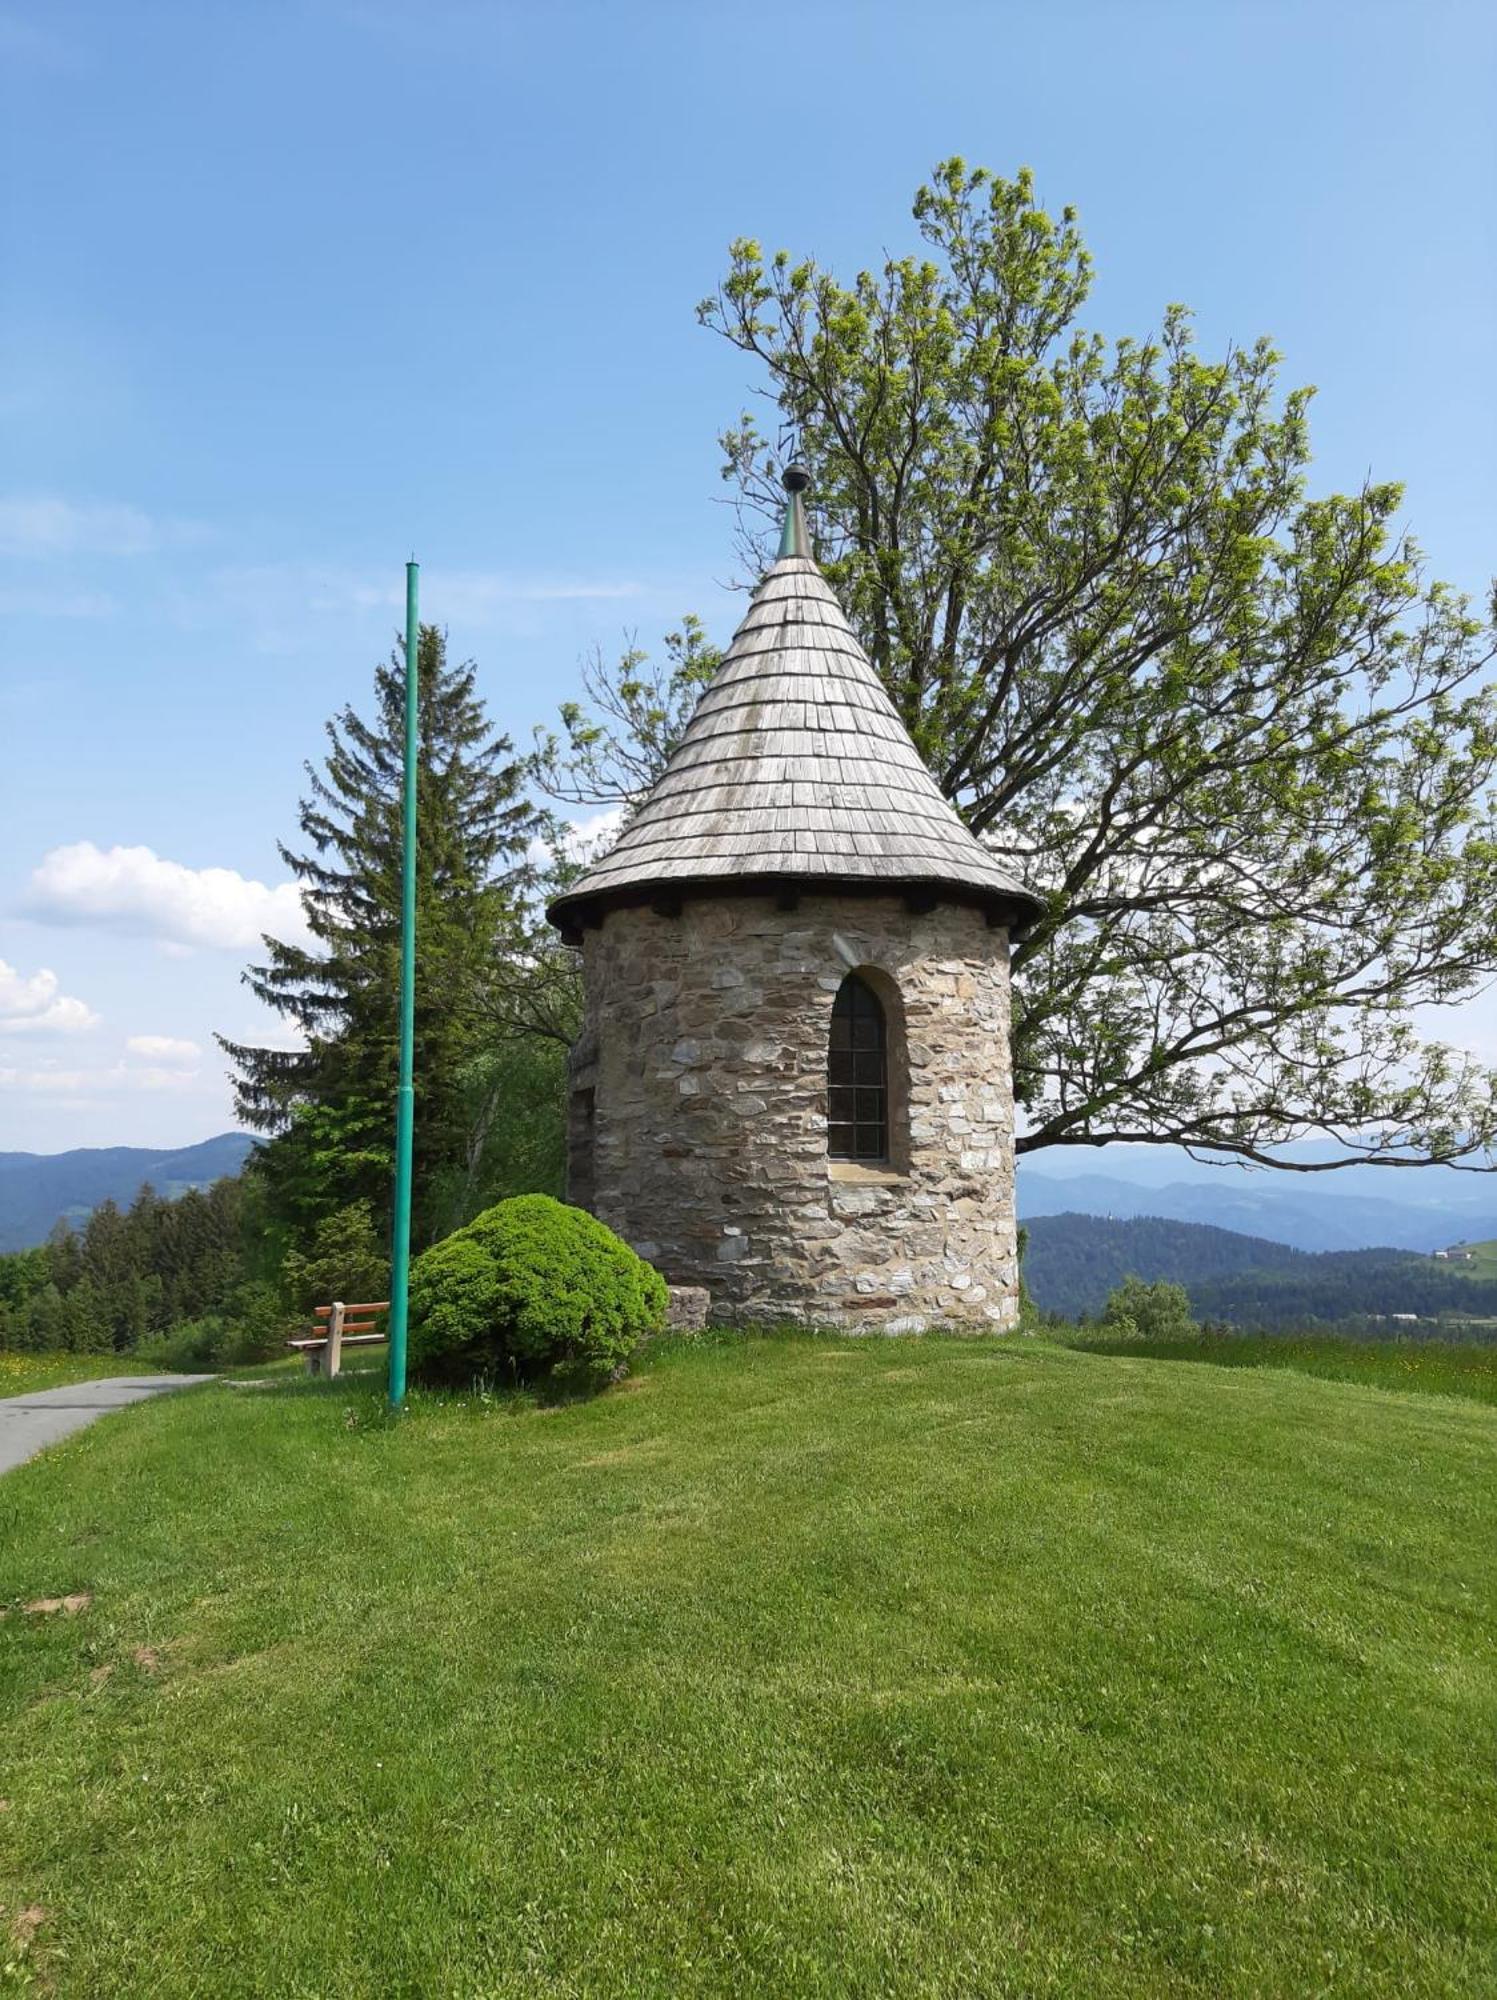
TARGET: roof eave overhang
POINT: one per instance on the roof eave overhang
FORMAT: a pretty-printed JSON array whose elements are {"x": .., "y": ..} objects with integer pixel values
[{"x": 1014, "y": 910}]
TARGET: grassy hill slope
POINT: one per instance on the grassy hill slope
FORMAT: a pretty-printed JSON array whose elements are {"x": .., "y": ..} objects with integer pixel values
[
  {"x": 1484, "y": 1260},
  {"x": 816, "y": 1668}
]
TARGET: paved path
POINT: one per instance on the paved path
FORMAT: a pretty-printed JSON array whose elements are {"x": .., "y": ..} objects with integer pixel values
[{"x": 27, "y": 1423}]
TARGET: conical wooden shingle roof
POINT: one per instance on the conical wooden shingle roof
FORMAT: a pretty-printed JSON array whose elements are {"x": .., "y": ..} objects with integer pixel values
[{"x": 795, "y": 772}]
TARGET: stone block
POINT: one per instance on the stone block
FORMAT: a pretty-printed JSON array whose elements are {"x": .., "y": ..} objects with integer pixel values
[{"x": 687, "y": 1307}]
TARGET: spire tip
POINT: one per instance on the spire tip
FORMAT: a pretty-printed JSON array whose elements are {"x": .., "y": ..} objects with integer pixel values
[{"x": 795, "y": 540}]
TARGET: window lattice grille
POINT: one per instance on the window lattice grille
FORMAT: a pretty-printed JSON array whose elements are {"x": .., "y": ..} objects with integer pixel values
[{"x": 858, "y": 1076}]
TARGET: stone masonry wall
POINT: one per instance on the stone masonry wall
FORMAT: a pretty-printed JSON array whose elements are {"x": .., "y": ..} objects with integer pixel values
[{"x": 699, "y": 1110}]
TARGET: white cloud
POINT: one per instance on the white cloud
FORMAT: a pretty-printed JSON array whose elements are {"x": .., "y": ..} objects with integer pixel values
[
  {"x": 47, "y": 1081},
  {"x": 582, "y": 840},
  {"x": 276, "y": 599},
  {"x": 160, "y": 1079},
  {"x": 163, "y": 1049},
  {"x": 34, "y": 1005},
  {"x": 269, "y": 1032},
  {"x": 135, "y": 891},
  {"x": 587, "y": 838},
  {"x": 43, "y": 525},
  {"x": 462, "y": 595}
]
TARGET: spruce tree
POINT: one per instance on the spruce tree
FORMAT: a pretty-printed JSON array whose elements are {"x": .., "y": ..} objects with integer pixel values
[{"x": 330, "y": 1107}]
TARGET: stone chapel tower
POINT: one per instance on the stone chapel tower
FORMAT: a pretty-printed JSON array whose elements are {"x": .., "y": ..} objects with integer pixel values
[{"x": 792, "y": 1084}]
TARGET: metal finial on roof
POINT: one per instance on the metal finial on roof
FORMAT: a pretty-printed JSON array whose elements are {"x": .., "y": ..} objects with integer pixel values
[{"x": 794, "y": 537}]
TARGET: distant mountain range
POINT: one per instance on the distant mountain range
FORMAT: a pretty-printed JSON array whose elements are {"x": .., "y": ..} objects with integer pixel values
[
  {"x": 36, "y": 1189},
  {"x": 1422, "y": 1208},
  {"x": 1073, "y": 1261}
]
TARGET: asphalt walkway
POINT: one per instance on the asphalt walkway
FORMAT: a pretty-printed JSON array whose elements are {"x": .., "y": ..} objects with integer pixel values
[{"x": 29, "y": 1423}]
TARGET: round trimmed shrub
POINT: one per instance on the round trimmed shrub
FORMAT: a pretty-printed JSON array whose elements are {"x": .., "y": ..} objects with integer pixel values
[{"x": 531, "y": 1287}]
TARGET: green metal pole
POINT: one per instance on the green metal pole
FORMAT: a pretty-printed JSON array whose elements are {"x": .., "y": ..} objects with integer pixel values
[{"x": 405, "y": 1099}]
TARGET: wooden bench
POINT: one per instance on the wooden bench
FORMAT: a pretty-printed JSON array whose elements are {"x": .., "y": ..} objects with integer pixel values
[{"x": 346, "y": 1326}]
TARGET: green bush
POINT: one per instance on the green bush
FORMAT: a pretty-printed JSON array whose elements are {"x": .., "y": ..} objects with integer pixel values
[
  {"x": 256, "y": 1325},
  {"x": 1139, "y": 1311},
  {"x": 528, "y": 1288},
  {"x": 190, "y": 1344}
]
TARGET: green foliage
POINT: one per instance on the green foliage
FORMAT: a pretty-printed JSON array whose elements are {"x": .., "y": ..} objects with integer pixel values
[
  {"x": 532, "y": 1287},
  {"x": 514, "y": 1092},
  {"x": 1236, "y": 734},
  {"x": 639, "y": 708},
  {"x": 330, "y": 1106},
  {"x": 189, "y": 1344},
  {"x": 252, "y": 1327},
  {"x": 257, "y": 1323},
  {"x": 22, "y": 1274},
  {"x": 1031, "y": 1316},
  {"x": 1138, "y": 1310},
  {"x": 346, "y": 1259}
]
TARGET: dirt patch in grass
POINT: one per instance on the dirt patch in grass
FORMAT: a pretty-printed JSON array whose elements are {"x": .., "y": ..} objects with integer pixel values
[{"x": 25, "y": 1925}]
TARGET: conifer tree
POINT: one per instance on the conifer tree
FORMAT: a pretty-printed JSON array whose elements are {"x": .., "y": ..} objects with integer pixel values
[{"x": 330, "y": 1107}]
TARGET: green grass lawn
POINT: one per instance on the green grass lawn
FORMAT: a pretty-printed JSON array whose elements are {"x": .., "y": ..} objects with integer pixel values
[
  {"x": 20, "y": 1374},
  {"x": 803, "y": 1668},
  {"x": 1425, "y": 1367}
]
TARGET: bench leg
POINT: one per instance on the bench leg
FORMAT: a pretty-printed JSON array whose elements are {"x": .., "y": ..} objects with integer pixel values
[{"x": 333, "y": 1352}]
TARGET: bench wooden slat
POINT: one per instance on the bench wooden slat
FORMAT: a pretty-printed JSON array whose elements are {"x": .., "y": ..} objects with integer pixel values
[
  {"x": 347, "y": 1326},
  {"x": 349, "y": 1340}
]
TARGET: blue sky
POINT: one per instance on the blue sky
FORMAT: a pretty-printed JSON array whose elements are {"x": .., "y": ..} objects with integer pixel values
[{"x": 289, "y": 291}]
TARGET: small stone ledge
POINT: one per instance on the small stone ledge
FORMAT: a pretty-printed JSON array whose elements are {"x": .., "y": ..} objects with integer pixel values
[
  {"x": 854, "y": 1173},
  {"x": 687, "y": 1308}
]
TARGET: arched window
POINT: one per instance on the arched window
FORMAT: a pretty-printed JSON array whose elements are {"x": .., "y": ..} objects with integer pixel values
[{"x": 857, "y": 1098}]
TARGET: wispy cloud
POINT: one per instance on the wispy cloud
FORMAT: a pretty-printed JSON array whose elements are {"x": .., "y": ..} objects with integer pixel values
[
  {"x": 474, "y": 594},
  {"x": 38, "y": 525},
  {"x": 138, "y": 893},
  {"x": 277, "y": 598},
  {"x": 169, "y": 1049},
  {"x": 47, "y": 1080},
  {"x": 34, "y": 1005}
]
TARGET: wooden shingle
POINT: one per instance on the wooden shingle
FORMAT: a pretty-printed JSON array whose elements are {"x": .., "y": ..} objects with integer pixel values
[{"x": 795, "y": 764}]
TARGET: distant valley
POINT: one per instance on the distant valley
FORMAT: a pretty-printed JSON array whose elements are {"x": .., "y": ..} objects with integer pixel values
[
  {"x": 1253, "y": 1248},
  {"x": 1421, "y": 1208},
  {"x": 1073, "y": 1261},
  {"x": 38, "y": 1189}
]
